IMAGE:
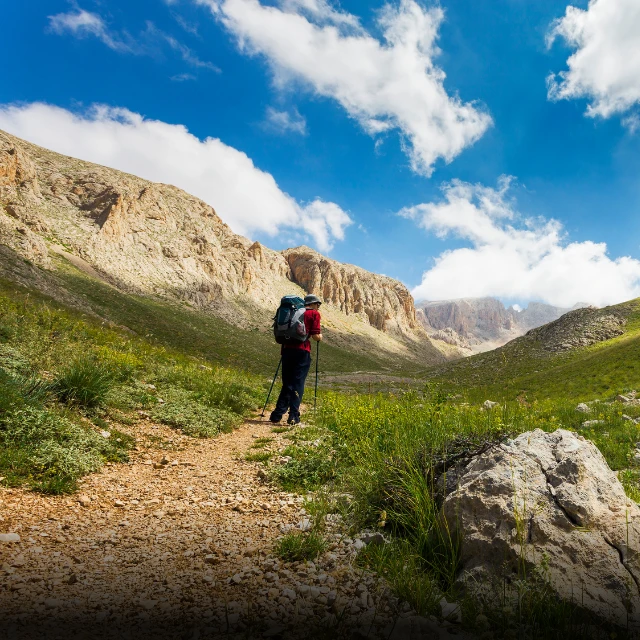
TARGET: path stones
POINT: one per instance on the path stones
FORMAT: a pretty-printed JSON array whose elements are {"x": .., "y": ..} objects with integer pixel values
[{"x": 9, "y": 537}]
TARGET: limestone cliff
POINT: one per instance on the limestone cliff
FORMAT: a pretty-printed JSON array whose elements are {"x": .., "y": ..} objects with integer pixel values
[
  {"x": 384, "y": 302},
  {"x": 481, "y": 324},
  {"x": 152, "y": 238}
]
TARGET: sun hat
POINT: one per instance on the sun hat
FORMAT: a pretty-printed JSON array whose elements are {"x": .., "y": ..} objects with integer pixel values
[{"x": 311, "y": 299}]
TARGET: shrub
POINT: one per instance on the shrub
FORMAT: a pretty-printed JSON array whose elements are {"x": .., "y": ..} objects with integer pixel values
[
  {"x": 234, "y": 391},
  {"x": 308, "y": 469},
  {"x": 183, "y": 411},
  {"x": 85, "y": 383},
  {"x": 300, "y": 545},
  {"x": 50, "y": 451}
]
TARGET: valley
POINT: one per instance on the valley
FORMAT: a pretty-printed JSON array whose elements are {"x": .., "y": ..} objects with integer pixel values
[{"x": 142, "y": 494}]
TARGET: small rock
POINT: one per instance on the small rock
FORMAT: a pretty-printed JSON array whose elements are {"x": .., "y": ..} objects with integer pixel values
[
  {"x": 210, "y": 558},
  {"x": 164, "y": 460},
  {"x": 621, "y": 398},
  {"x": 105, "y": 434},
  {"x": 583, "y": 408},
  {"x": 489, "y": 404},
  {"x": 305, "y": 525},
  {"x": 84, "y": 501},
  {"x": 52, "y": 603},
  {"x": 9, "y": 537},
  {"x": 157, "y": 465},
  {"x": 591, "y": 423},
  {"x": 450, "y": 611},
  {"x": 118, "y": 503},
  {"x": 373, "y": 538},
  {"x": 626, "y": 417},
  {"x": 18, "y": 561}
]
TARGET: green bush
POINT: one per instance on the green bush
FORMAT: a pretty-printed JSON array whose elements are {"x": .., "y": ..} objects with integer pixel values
[
  {"x": 308, "y": 469},
  {"x": 51, "y": 452},
  {"x": 235, "y": 391},
  {"x": 85, "y": 383}
]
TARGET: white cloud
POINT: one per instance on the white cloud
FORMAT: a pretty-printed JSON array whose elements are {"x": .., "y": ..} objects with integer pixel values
[
  {"x": 515, "y": 257},
  {"x": 81, "y": 24},
  {"x": 285, "y": 121},
  {"x": 385, "y": 84},
  {"x": 183, "y": 77},
  {"x": 605, "y": 67},
  {"x": 245, "y": 197},
  {"x": 185, "y": 52}
]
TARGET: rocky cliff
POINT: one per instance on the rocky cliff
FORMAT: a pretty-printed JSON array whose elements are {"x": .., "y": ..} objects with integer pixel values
[
  {"x": 482, "y": 324},
  {"x": 156, "y": 239},
  {"x": 384, "y": 302}
]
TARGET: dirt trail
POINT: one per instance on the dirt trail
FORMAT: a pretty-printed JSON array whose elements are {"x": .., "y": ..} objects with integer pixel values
[{"x": 182, "y": 549}]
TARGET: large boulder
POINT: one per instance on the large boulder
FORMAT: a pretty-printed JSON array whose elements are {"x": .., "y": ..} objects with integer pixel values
[{"x": 551, "y": 498}]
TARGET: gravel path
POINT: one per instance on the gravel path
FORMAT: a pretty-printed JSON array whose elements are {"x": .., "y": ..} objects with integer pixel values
[{"x": 178, "y": 543}]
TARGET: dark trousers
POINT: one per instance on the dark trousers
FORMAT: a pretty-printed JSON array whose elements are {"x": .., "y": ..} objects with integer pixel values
[{"x": 295, "y": 367}]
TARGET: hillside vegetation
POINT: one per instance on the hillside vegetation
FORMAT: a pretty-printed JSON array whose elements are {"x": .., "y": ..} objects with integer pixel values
[
  {"x": 550, "y": 363},
  {"x": 69, "y": 384}
]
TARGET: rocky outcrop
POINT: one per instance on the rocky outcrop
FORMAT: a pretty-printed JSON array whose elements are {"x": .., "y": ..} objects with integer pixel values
[
  {"x": 580, "y": 328},
  {"x": 481, "y": 324},
  {"x": 550, "y": 499},
  {"x": 384, "y": 302}
]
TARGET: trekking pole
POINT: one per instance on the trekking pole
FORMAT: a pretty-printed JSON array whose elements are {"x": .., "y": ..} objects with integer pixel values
[
  {"x": 271, "y": 389},
  {"x": 315, "y": 397}
]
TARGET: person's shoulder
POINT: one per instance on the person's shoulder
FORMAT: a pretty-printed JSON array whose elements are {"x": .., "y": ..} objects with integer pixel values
[{"x": 313, "y": 313}]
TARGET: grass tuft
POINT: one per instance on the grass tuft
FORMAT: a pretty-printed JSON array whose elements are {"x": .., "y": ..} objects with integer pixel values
[
  {"x": 258, "y": 456},
  {"x": 85, "y": 383},
  {"x": 298, "y": 546}
]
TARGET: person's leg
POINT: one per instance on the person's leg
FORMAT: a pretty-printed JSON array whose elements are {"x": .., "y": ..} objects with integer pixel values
[
  {"x": 299, "y": 375},
  {"x": 282, "y": 405}
]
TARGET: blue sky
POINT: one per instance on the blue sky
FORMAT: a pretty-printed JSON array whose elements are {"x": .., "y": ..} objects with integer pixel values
[{"x": 334, "y": 125}]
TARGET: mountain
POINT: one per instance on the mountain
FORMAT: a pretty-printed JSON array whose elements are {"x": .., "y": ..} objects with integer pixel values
[
  {"x": 587, "y": 353},
  {"x": 153, "y": 239},
  {"x": 476, "y": 325}
]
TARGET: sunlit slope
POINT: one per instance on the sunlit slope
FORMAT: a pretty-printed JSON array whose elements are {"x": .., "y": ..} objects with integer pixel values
[
  {"x": 178, "y": 326},
  {"x": 549, "y": 362}
]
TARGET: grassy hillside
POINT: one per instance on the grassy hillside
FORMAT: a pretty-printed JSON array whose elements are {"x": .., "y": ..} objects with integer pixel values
[
  {"x": 70, "y": 387},
  {"x": 525, "y": 369},
  {"x": 182, "y": 327}
]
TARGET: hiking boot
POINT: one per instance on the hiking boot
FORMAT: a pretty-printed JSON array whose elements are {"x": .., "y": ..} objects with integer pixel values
[
  {"x": 293, "y": 420},
  {"x": 275, "y": 418}
]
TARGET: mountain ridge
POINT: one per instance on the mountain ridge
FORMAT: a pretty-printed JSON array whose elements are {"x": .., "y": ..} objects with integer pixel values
[
  {"x": 476, "y": 325},
  {"x": 155, "y": 239}
]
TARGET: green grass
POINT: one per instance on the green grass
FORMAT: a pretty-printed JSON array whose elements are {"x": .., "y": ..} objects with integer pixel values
[
  {"x": 84, "y": 382},
  {"x": 383, "y": 449},
  {"x": 70, "y": 385},
  {"x": 523, "y": 369},
  {"x": 299, "y": 546},
  {"x": 258, "y": 456}
]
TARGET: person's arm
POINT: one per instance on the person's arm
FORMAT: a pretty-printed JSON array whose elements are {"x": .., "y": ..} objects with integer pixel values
[{"x": 315, "y": 329}]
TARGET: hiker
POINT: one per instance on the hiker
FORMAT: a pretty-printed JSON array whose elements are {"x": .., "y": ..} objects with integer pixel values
[{"x": 296, "y": 361}]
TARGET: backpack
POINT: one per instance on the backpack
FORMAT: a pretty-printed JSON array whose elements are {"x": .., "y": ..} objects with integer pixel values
[{"x": 288, "y": 323}]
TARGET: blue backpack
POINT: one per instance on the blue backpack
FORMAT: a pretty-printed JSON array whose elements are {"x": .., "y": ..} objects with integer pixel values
[{"x": 288, "y": 323}]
